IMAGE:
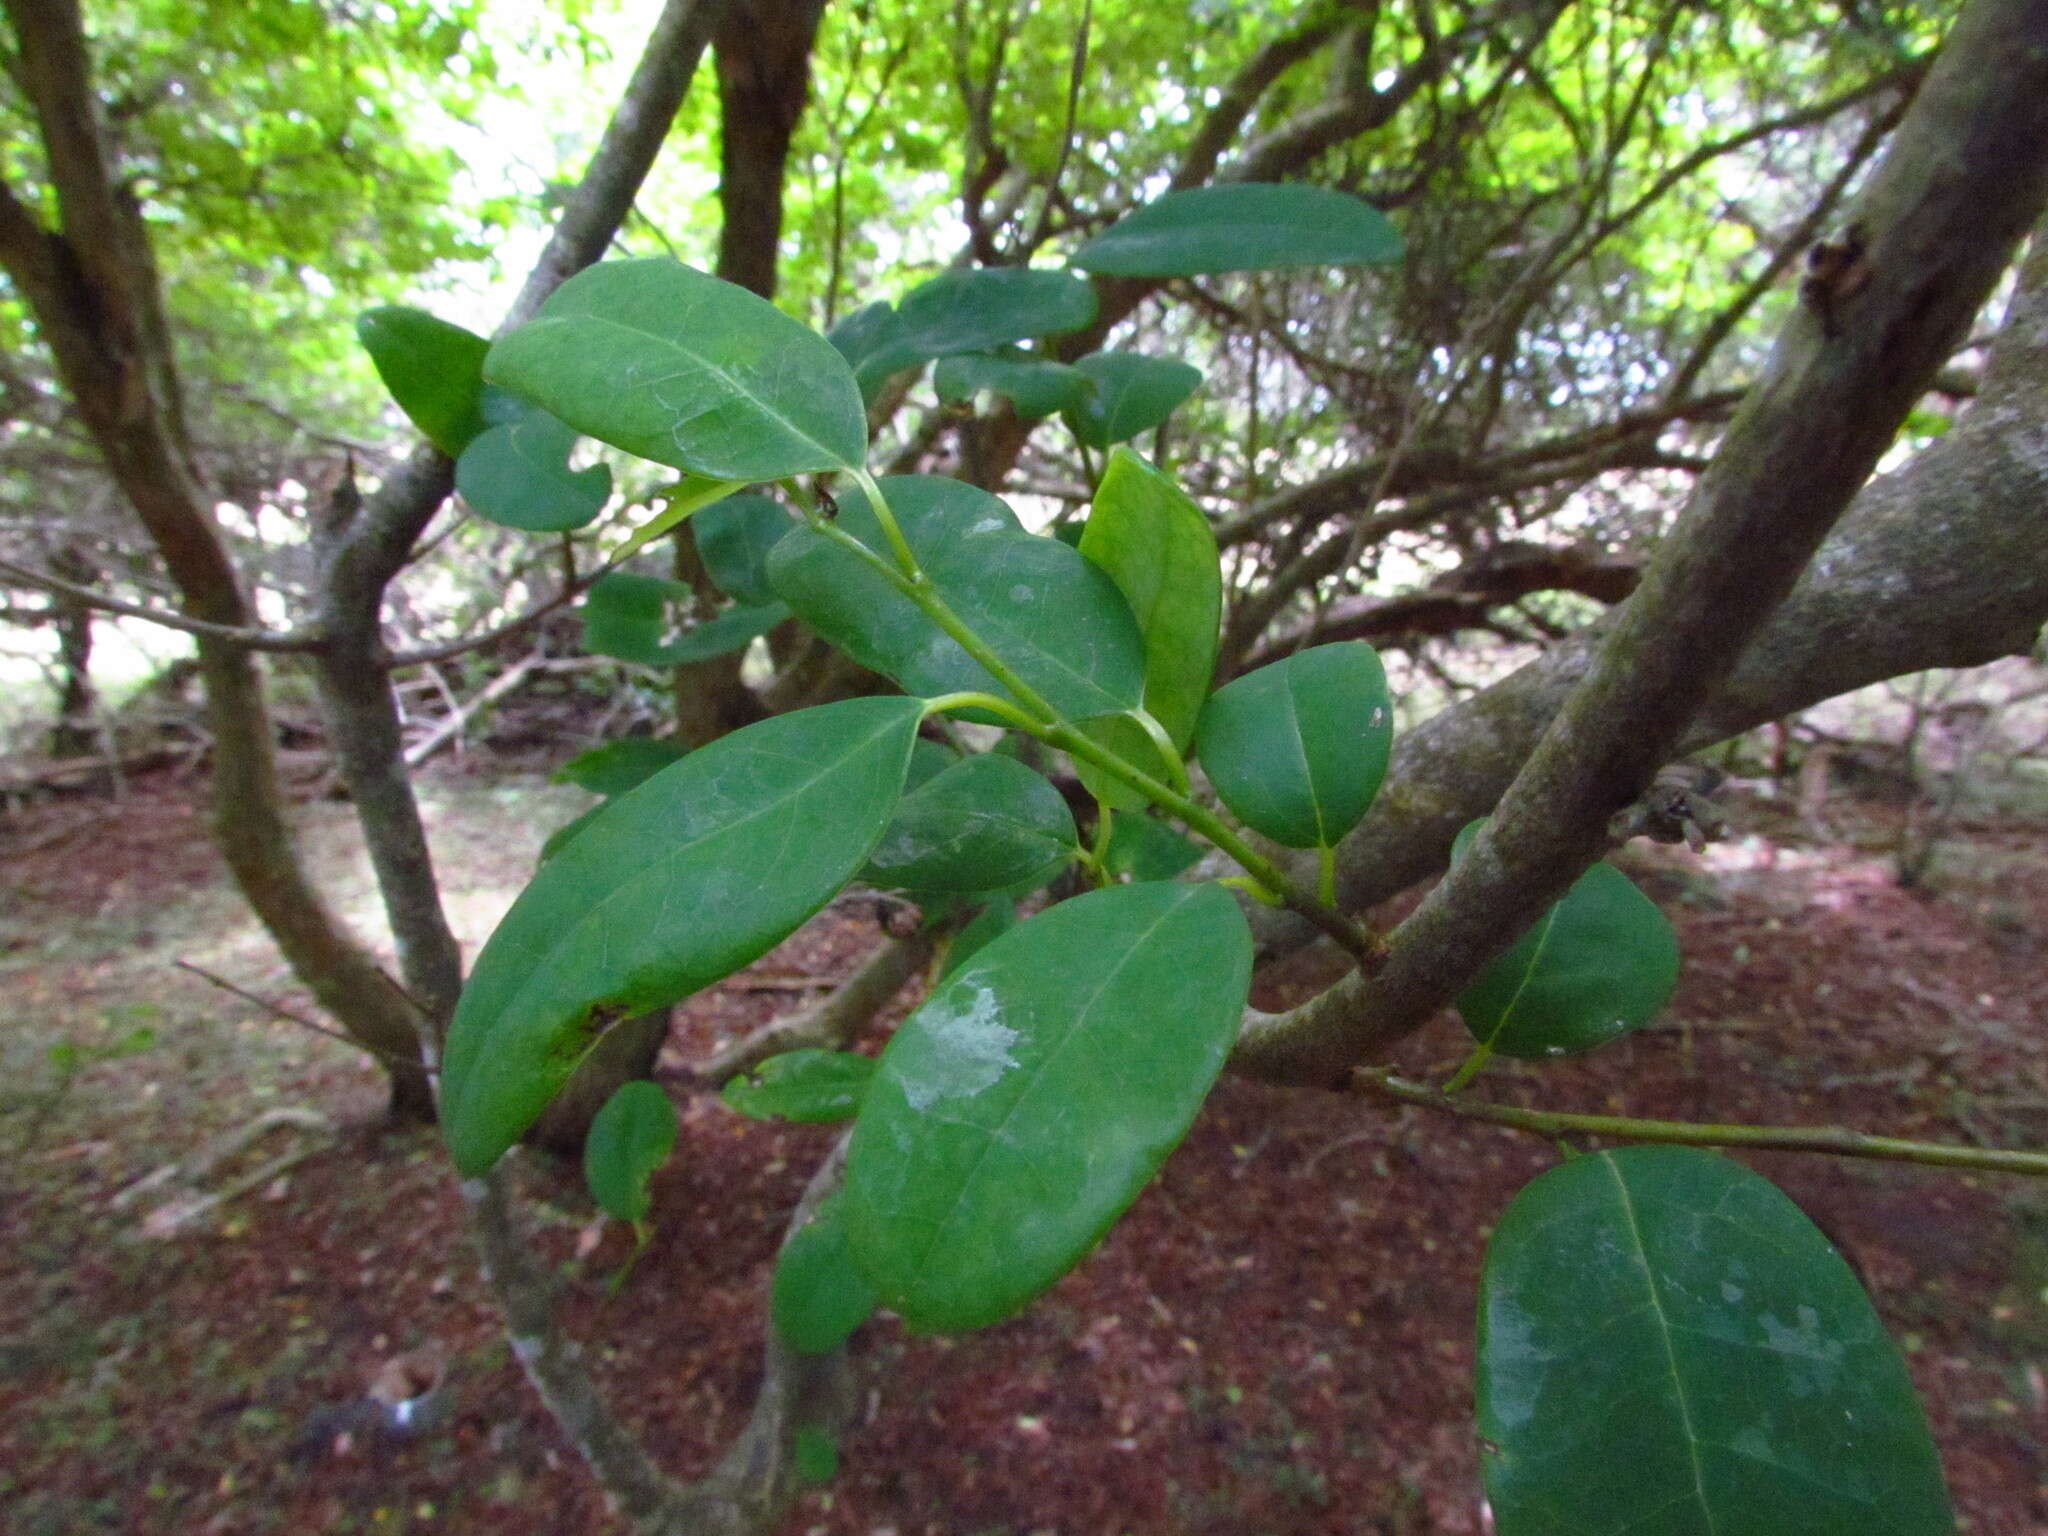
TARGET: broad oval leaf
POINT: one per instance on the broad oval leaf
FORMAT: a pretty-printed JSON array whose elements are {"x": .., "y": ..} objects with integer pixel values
[
  {"x": 809, "y": 1087},
  {"x": 971, "y": 309},
  {"x": 1145, "y": 848},
  {"x": 1036, "y": 386},
  {"x": 1050, "y": 614},
  {"x": 620, "y": 765},
  {"x": 733, "y": 540},
  {"x": 629, "y": 1138},
  {"x": 982, "y": 824},
  {"x": 433, "y": 369},
  {"x": 1298, "y": 748},
  {"x": 1133, "y": 393},
  {"x": 702, "y": 869},
  {"x": 1243, "y": 227},
  {"x": 870, "y": 339},
  {"x": 1024, "y": 1106},
  {"x": 518, "y": 476},
  {"x": 625, "y": 616},
  {"x": 1666, "y": 1344},
  {"x": 1159, "y": 550},
  {"x": 818, "y": 1296},
  {"x": 672, "y": 364}
]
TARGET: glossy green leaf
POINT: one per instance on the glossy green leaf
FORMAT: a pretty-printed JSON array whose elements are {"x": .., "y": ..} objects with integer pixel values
[
  {"x": 676, "y": 366},
  {"x": 1667, "y": 1345},
  {"x": 1242, "y": 227},
  {"x": 928, "y": 759},
  {"x": 518, "y": 476},
  {"x": 1145, "y": 848},
  {"x": 1123, "y": 735},
  {"x": 818, "y": 1297},
  {"x": 982, "y": 824},
  {"x": 1602, "y": 962},
  {"x": 629, "y": 1138},
  {"x": 808, "y": 1086},
  {"x": 1036, "y": 386},
  {"x": 1133, "y": 393},
  {"x": 561, "y": 837},
  {"x": 871, "y": 341},
  {"x": 625, "y": 615},
  {"x": 733, "y": 540},
  {"x": 1297, "y": 749},
  {"x": 1158, "y": 548},
  {"x": 1024, "y": 1106},
  {"x": 702, "y": 869},
  {"x": 433, "y": 369},
  {"x": 971, "y": 309},
  {"x": 620, "y": 765},
  {"x": 1050, "y": 614},
  {"x": 997, "y": 917}
]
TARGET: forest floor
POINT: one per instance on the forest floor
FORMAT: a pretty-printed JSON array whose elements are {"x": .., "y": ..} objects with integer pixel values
[{"x": 1277, "y": 1341}]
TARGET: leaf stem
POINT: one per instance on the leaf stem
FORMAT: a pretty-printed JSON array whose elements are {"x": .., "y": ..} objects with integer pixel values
[
  {"x": 891, "y": 529},
  {"x": 1326, "y": 874},
  {"x": 1470, "y": 1067},
  {"x": 1840, "y": 1141}
]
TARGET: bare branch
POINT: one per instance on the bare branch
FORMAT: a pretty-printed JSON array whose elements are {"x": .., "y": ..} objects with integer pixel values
[{"x": 229, "y": 634}]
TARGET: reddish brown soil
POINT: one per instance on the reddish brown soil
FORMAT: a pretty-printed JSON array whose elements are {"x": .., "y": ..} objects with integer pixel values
[{"x": 1275, "y": 1342}]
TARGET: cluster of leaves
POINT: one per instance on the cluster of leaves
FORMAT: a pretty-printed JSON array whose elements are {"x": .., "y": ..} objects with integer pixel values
[{"x": 1727, "y": 1368}]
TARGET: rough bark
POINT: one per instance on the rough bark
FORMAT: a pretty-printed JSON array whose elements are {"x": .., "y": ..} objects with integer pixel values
[{"x": 1957, "y": 189}]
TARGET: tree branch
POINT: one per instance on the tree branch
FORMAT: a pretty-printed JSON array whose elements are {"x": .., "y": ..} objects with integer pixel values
[{"x": 230, "y": 634}]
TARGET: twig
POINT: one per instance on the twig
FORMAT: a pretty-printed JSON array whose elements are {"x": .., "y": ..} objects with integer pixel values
[
  {"x": 451, "y": 727},
  {"x": 278, "y": 1010},
  {"x": 253, "y": 639}
]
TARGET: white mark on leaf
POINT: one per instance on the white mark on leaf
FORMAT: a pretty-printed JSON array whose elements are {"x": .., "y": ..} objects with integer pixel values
[{"x": 970, "y": 1051}]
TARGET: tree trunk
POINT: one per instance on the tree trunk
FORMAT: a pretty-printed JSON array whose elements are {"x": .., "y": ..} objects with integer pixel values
[{"x": 75, "y": 733}]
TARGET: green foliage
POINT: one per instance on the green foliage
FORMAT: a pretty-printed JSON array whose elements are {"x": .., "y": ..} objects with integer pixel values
[
  {"x": 1666, "y": 1343},
  {"x": 819, "y": 1295},
  {"x": 1036, "y": 386},
  {"x": 733, "y": 540},
  {"x": 1019, "y": 1111},
  {"x": 1601, "y": 962},
  {"x": 630, "y": 1137},
  {"x": 662, "y": 894},
  {"x": 1242, "y": 227},
  {"x": 1142, "y": 848},
  {"x": 518, "y": 475},
  {"x": 433, "y": 369},
  {"x": 808, "y": 1087},
  {"x": 625, "y": 616},
  {"x": 1131, "y": 393},
  {"x": 982, "y": 824},
  {"x": 618, "y": 766},
  {"x": 1298, "y": 748}
]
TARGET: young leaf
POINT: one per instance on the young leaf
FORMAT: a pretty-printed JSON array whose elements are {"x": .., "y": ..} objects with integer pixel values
[
  {"x": 702, "y": 869},
  {"x": 1133, "y": 393},
  {"x": 518, "y": 476},
  {"x": 1021, "y": 1109},
  {"x": 984, "y": 823},
  {"x": 433, "y": 369},
  {"x": 1050, "y": 614},
  {"x": 1158, "y": 549},
  {"x": 672, "y": 364},
  {"x": 1602, "y": 962},
  {"x": 1144, "y": 848},
  {"x": 970, "y": 309},
  {"x": 733, "y": 540},
  {"x": 818, "y": 1297},
  {"x": 1242, "y": 227},
  {"x": 1297, "y": 749},
  {"x": 808, "y": 1087},
  {"x": 629, "y": 1138},
  {"x": 1667, "y": 1344},
  {"x": 620, "y": 765},
  {"x": 625, "y": 616},
  {"x": 1037, "y": 386}
]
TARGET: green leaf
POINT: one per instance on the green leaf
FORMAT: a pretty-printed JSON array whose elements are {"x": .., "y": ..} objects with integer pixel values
[
  {"x": 433, "y": 369},
  {"x": 1022, "y": 1108},
  {"x": 928, "y": 759},
  {"x": 1158, "y": 548},
  {"x": 818, "y": 1297},
  {"x": 1145, "y": 848},
  {"x": 983, "y": 823},
  {"x": 1037, "y": 386},
  {"x": 870, "y": 340},
  {"x": 1133, "y": 393},
  {"x": 1602, "y": 962},
  {"x": 808, "y": 1087},
  {"x": 1242, "y": 227},
  {"x": 620, "y": 765},
  {"x": 971, "y": 309},
  {"x": 997, "y": 917},
  {"x": 702, "y": 869},
  {"x": 816, "y": 1454},
  {"x": 1123, "y": 735},
  {"x": 1297, "y": 749},
  {"x": 733, "y": 540},
  {"x": 560, "y": 838},
  {"x": 667, "y": 362},
  {"x": 518, "y": 476},
  {"x": 629, "y": 1138},
  {"x": 626, "y": 614},
  {"x": 1666, "y": 1344},
  {"x": 683, "y": 500},
  {"x": 1050, "y": 614}
]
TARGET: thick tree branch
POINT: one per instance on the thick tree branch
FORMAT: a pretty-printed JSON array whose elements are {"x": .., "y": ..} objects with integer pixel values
[{"x": 1964, "y": 178}]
